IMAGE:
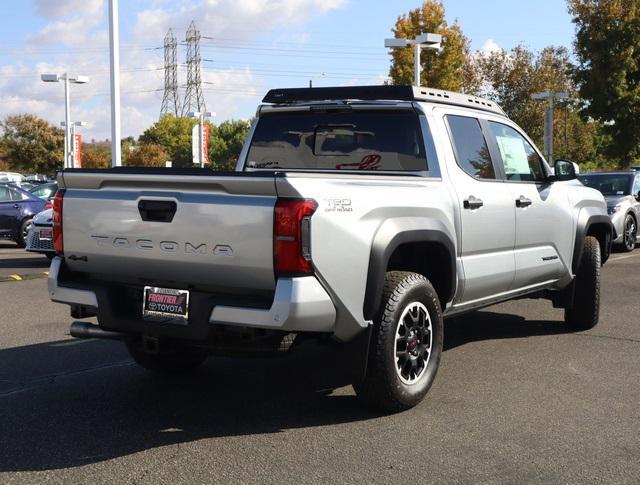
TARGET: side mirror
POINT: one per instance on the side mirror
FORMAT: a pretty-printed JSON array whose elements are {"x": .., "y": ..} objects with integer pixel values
[
  {"x": 565, "y": 170},
  {"x": 638, "y": 196}
]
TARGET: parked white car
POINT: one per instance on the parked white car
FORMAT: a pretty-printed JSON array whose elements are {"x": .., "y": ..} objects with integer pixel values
[
  {"x": 40, "y": 238},
  {"x": 13, "y": 177}
]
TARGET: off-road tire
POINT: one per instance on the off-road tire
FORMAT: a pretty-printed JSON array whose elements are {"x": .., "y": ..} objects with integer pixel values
[
  {"x": 21, "y": 238},
  {"x": 169, "y": 361},
  {"x": 585, "y": 310},
  {"x": 382, "y": 387}
]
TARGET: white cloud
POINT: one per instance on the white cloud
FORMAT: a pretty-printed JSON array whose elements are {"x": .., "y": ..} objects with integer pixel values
[
  {"x": 62, "y": 9},
  {"x": 239, "y": 19},
  {"x": 81, "y": 25},
  {"x": 490, "y": 46}
]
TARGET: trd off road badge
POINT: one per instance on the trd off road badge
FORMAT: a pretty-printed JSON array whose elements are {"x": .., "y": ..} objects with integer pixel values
[{"x": 338, "y": 205}]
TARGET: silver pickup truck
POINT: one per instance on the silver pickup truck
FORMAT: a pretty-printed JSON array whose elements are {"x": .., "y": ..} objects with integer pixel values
[{"x": 360, "y": 215}]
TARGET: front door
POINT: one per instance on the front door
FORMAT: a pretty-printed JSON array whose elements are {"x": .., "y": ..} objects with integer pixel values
[
  {"x": 544, "y": 235},
  {"x": 487, "y": 214}
]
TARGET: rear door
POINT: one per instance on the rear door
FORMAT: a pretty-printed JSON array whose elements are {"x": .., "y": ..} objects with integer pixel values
[
  {"x": 487, "y": 212},
  {"x": 544, "y": 234}
]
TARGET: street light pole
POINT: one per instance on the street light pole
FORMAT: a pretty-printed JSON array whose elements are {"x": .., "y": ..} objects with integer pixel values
[
  {"x": 550, "y": 97},
  {"x": 56, "y": 78},
  {"x": 429, "y": 41},
  {"x": 67, "y": 117},
  {"x": 114, "y": 56},
  {"x": 417, "y": 66}
]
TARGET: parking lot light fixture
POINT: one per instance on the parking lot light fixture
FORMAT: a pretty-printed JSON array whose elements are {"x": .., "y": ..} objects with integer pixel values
[
  {"x": 428, "y": 41},
  {"x": 56, "y": 78}
]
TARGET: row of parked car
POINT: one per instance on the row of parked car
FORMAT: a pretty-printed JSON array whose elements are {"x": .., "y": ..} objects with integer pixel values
[
  {"x": 26, "y": 215},
  {"x": 25, "y": 211}
]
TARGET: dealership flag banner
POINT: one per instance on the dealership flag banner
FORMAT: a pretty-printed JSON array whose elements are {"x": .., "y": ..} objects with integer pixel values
[
  {"x": 195, "y": 143},
  {"x": 77, "y": 150}
]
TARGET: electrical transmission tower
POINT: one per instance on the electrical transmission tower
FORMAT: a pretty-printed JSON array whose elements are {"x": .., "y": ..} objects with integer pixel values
[
  {"x": 193, "y": 97},
  {"x": 171, "y": 99}
]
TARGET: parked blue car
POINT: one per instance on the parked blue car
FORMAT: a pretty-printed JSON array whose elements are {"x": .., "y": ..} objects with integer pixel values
[{"x": 17, "y": 208}]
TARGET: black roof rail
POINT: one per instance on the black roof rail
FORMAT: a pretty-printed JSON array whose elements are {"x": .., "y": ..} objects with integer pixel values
[{"x": 379, "y": 93}]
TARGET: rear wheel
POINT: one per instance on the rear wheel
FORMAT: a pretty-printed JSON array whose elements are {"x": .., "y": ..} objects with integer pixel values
[
  {"x": 406, "y": 344},
  {"x": 585, "y": 310},
  {"x": 169, "y": 361},
  {"x": 23, "y": 234},
  {"x": 630, "y": 233}
]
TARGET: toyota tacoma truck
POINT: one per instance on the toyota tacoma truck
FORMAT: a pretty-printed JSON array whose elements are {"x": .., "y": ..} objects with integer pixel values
[{"x": 363, "y": 216}]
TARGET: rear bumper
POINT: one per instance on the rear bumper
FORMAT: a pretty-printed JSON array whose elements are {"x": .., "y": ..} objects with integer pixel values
[{"x": 299, "y": 305}]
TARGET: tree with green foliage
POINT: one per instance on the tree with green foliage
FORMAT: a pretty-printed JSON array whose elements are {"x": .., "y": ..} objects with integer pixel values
[
  {"x": 511, "y": 77},
  {"x": 174, "y": 136},
  {"x": 607, "y": 47},
  {"x": 225, "y": 143},
  {"x": 451, "y": 68},
  {"x": 32, "y": 144},
  {"x": 95, "y": 155},
  {"x": 147, "y": 155}
]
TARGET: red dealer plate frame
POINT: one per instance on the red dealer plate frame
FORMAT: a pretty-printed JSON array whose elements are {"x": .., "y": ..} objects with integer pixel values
[
  {"x": 165, "y": 305},
  {"x": 45, "y": 234}
]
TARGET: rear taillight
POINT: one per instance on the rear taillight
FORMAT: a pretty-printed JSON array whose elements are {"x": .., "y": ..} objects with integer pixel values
[
  {"x": 57, "y": 222},
  {"x": 292, "y": 236}
]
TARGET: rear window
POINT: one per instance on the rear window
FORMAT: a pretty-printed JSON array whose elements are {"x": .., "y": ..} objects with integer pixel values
[
  {"x": 357, "y": 140},
  {"x": 608, "y": 183}
]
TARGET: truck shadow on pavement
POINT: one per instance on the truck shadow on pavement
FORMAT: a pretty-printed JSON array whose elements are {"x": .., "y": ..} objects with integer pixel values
[{"x": 72, "y": 403}]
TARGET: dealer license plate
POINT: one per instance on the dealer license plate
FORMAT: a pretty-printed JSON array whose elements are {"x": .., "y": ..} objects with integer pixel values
[
  {"x": 166, "y": 305},
  {"x": 46, "y": 234}
]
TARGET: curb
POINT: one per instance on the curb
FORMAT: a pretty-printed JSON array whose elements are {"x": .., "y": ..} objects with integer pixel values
[{"x": 23, "y": 277}]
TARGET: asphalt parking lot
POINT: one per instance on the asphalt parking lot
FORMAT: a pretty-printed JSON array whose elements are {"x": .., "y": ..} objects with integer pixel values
[{"x": 517, "y": 400}]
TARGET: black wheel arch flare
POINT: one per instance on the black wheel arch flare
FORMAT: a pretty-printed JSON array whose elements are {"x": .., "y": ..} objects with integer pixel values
[{"x": 384, "y": 244}]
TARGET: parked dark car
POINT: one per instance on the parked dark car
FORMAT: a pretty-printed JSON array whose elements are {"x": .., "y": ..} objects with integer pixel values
[
  {"x": 45, "y": 191},
  {"x": 17, "y": 208}
]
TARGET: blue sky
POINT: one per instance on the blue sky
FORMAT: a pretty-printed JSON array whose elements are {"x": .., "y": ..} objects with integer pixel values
[{"x": 255, "y": 45}]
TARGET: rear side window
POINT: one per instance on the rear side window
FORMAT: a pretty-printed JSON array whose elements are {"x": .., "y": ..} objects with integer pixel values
[
  {"x": 5, "y": 194},
  {"x": 471, "y": 150},
  {"x": 355, "y": 141}
]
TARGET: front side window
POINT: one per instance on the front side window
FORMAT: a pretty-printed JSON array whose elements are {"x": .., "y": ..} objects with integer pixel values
[
  {"x": 521, "y": 162},
  {"x": 471, "y": 150},
  {"x": 353, "y": 140},
  {"x": 636, "y": 187}
]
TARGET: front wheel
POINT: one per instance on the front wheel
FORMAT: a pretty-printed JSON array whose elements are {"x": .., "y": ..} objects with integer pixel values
[
  {"x": 584, "y": 312},
  {"x": 630, "y": 233},
  {"x": 406, "y": 344},
  {"x": 170, "y": 361}
]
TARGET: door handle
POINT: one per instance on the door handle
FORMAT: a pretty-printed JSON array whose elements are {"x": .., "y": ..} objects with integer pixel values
[
  {"x": 472, "y": 203},
  {"x": 522, "y": 201},
  {"x": 16, "y": 206},
  {"x": 157, "y": 210}
]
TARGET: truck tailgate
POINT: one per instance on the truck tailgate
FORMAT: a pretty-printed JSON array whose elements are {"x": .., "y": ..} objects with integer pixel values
[{"x": 194, "y": 230}]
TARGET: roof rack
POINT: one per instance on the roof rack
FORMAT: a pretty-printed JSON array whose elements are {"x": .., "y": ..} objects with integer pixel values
[{"x": 376, "y": 93}]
